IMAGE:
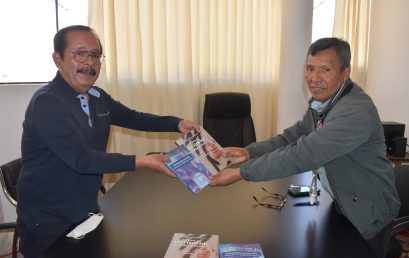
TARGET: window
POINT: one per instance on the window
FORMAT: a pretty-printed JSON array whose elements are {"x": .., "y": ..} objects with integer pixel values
[
  {"x": 27, "y": 33},
  {"x": 323, "y": 19}
]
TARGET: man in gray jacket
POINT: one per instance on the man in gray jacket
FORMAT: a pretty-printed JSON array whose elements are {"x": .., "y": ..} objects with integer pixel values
[{"x": 341, "y": 137}]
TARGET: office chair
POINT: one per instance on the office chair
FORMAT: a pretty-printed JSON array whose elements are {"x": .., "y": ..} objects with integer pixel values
[
  {"x": 400, "y": 229},
  {"x": 227, "y": 118},
  {"x": 9, "y": 174}
]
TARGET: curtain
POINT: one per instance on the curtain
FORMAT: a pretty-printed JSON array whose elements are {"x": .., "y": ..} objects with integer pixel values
[
  {"x": 352, "y": 24},
  {"x": 163, "y": 56}
]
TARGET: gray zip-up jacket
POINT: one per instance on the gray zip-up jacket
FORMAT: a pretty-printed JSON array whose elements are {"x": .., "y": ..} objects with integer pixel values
[{"x": 350, "y": 146}]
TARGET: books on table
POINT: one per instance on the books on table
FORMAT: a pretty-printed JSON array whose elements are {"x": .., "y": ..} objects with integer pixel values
[
  {"x": 189, "y": 245},
  {"x": 236, "y": 250},
  {"x": 197, "y": 157}
]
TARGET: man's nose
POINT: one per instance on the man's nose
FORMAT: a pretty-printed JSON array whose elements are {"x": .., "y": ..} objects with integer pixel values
[
  {"x": 90, "y": 60},
  {"x": 316, "y": 75}
]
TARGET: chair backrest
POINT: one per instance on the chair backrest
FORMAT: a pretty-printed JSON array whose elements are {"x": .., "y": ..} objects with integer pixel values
[
  {"x": 227, "y": 118},
  {"x": 402, "y": 185},
  {"x": 9, "y": 174}
]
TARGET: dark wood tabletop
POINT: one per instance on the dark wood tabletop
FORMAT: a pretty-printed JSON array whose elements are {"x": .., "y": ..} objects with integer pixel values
[
  {"x": 398, "y": 160},
  {"x": 145, "y": 209}
]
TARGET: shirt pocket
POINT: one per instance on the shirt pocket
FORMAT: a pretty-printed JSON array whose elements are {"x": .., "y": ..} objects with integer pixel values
[{"x": 102, "y": 118}]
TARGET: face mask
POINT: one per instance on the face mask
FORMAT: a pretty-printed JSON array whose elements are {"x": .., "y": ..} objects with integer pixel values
[{"x": 87, "y": 226}]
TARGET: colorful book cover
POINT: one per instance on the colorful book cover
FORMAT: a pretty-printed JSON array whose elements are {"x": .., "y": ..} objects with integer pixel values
[
  {"x": 185, "y": 245},
  {"x": 188, "y": 168},
  {"x": 206, "y": 149},
  {"x": 197, "y": 157},
  {"x": 240, "y": 250}
]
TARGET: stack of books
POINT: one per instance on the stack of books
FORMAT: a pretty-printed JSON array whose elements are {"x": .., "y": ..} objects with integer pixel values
[{"x": 188, "y": 245}]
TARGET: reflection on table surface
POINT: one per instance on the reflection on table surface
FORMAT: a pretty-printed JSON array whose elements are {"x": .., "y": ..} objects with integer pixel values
[{"x": 145, "y": 209}]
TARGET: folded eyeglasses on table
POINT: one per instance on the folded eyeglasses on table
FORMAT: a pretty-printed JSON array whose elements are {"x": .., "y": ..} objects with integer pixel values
[{"x": 279, "y": 200}]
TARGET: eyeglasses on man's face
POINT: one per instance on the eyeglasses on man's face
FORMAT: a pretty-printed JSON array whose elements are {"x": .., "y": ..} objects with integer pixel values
[
  {"x": 279, "y": 200},
  {"x": 82, "y": 56}
]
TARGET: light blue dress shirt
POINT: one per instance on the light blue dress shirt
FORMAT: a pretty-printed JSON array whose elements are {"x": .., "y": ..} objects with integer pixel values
[{"x": 85, "y": 104}]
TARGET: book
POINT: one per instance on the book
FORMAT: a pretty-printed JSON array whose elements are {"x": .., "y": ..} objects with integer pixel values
[
  {"x": 197, "y": 157},
  {"x": 187, "y": 245},
  {"x": 234, "y": 250},
  {"x": 205, "y": 148},
  {"x": 188, "y": 168}
]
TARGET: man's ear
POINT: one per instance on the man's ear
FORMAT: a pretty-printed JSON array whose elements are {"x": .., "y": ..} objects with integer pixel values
[
  {"x": 346, "y": 73},
  {"x": 57, "y": 59}
]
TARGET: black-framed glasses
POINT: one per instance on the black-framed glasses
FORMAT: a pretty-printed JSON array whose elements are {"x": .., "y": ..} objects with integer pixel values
[
  {"x": 82, "y": 56},
  {"x": 279, "y": 200}
]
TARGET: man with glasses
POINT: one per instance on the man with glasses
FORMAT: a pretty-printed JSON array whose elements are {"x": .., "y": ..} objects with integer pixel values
[
  {"x": 340, "y": 138},
  {"x": 64, "y": 141}
]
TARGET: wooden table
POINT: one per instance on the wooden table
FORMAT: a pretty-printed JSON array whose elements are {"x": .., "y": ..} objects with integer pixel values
[{"x": 399, "y": 160}]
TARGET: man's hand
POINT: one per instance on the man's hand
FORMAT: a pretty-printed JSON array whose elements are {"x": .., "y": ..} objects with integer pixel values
[
  {"x": 237, "y": 155},
  {"x": 186, "y": 126},
  {"x": 226, "y": 177},
  {"x": 154, "y": 162}
]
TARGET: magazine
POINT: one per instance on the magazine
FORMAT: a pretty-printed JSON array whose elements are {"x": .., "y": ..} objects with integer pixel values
[
  {"x": 197, "y": 157},
  {"x": 233, "y": 250},
  {"x": 185, "y": 245}
]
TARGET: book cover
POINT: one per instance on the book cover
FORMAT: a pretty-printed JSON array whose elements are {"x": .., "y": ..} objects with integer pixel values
[
  {"x": 233, "y": 250},
  {"x": 188, "y": 168},
  {"x": 206, "y": 149},
  {"x": 185, "y": 245},
  {"x": 197, "y": 157}
]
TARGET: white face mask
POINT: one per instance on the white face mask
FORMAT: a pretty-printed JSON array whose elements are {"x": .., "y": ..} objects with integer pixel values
[{"x": 87, "y": 226}]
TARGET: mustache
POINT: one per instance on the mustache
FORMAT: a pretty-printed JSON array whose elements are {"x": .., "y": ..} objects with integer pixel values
[{"x": 87, "y": 70}]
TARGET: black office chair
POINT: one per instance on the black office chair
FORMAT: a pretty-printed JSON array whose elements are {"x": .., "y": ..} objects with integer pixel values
[
  {"x": 9, "y": 174},
  {"x": 400, "y": 228},
  {"x": 227, "y": 118}
]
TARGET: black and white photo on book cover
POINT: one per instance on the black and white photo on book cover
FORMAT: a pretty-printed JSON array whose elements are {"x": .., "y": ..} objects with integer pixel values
[
  {"x": 187, "y": 245},
  {"x": 205, "y": 148}
]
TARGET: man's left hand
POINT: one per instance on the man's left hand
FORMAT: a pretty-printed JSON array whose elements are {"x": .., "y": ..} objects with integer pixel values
[{"x": 226, "y": 177}]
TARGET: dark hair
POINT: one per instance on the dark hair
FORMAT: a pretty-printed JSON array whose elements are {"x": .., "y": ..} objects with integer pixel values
[
  {"x": 341, "y": 47},
  {"x": 60, "y": 38}
]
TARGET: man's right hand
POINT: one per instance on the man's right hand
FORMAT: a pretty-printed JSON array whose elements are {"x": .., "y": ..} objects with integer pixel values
[
  {"x": 154, "y": 162},
  {"x": 237, "y": 155}
]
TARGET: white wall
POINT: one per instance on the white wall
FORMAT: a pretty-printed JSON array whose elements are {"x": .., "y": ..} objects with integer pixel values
[
  {"x": 388, "y": 60},
  {"x": 295, "y": 40},
  {"x": 13, "y": 103}
]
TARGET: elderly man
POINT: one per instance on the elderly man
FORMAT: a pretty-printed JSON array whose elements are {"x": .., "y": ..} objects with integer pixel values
[
  {"x": 340, "y": 137},
  {"x": 65, "y": 136}
]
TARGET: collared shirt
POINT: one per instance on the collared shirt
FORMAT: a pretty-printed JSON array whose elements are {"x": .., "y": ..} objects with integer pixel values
[{"x": 84, "y": 102}]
